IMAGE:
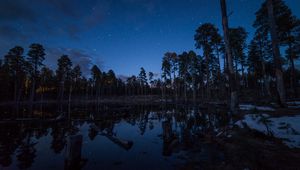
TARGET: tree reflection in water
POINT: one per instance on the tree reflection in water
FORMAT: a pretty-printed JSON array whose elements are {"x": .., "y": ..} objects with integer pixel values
[{"x": 180, "y": 129}]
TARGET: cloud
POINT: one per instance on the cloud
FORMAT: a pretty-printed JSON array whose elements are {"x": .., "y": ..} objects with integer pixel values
[
  {"x": 67, "y": 18},
  {"x": 77, "y": 56},
  {"x": 123, "y": 77},
  {"x": 16, "y": 10},
  {"x": 67, "y": 7},
  {"x": 9, "y": 32}
]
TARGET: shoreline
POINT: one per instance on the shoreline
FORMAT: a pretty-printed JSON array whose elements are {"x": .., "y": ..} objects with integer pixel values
[{"x": 119, "y": 100}]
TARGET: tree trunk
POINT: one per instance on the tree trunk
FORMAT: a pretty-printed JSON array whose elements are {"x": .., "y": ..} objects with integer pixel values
[
  {"x": 61, "y": 91},
  {"x": 185, "y": 90},
  {"x": 232, "y": 80},
  {"x": 293, "y": 81},
  {"x": 163, "y": 92},
  {"x": 219, "y": 74},
  {"x": 236, "y": 68},
  {"x": 207, "y": 79},
  {"x": 16, "y": 90},
  {"x": 276, "y": 55},
  {"x": 70, "y": 94},
  {"x": 87, "y": 93},
  {"x": 175, "y": 86},
  {"x": 225, "y": 63},
  {"x": 194, "y": 89},
  {"x": 32, "y": 91},
  {"x": 243, "y": 75},
  {"x": 98, "y": 89},
  {"x": 20, "y": 90},
  {"x": 266, "y": 81}
]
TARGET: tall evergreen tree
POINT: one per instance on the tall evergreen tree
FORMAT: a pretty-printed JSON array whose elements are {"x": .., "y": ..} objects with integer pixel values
[
  {"x": 74, "y": 78},
  {"x": 238, "y": 37},
  {"x": 47, "y": 79},
  {"x": 194, "y": 68},
  {"x": 35, "y": 58},
  {"x": 15, "y": 64},
  {"x": 208, "y": 39},
  {"x": 232, "y": 80},
  {"x": 259, "y": 56},
  {"x": 97, "y": 77},
  {"x": 276, "y": 54},
  {"x": 143, "y": 80},
  {"x": 286, "y": 25},
  {"x": 63, "y": 74},
  {"x": 151, "y": 81},
  {"x": 111, "y": 81},
  {"x": 184, "y": 65}
]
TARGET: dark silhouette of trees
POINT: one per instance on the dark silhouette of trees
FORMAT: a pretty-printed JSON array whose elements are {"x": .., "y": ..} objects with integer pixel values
[
  {"x": 184, "y": 63},
  {"x": 143, "y": 80},
  {"x": 151, "y": 81},
  {"x": 209, "y": 40},
  {"x": 238, "y": 45},
  {"x": 15, "y": 65},
  {"x": 259, "y": 57},
  {"x": 75, "y": 76},
  {"x": 97, "y": 81},
  {"x": 232, "y": 80},
  {"x": 223, "y": 63},
  {"x": 47, "y": 82},
  {"x": 110, "y": 82},
  {"x": 286, "y": 32},
  {"x": 276, "y": 54},
  {"x": 63, "y": 74},
  {"x": 166, "y": 72},
  {"x": 132, "y": 85},
  {"x": 35, "y": 59}
]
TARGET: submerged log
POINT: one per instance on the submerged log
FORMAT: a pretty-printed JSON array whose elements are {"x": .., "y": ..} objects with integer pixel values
[
  {"x": 125, "y": 144},
  {"x": 73, "y": 152}
]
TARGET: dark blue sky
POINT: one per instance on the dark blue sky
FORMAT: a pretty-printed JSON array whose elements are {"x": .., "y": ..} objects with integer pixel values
[{"x": 122, "y": 35}]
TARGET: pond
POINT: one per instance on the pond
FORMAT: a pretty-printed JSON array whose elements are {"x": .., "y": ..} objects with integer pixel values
[{"x": 106, "y": 136}]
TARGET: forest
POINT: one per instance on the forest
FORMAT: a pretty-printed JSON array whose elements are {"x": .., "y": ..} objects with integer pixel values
[
  {"x": 233, "y": 103},
  {"x": 263, "y": 69}
]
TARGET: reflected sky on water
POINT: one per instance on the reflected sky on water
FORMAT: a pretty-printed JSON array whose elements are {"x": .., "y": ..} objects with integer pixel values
[{"x": 113, "y": 137}]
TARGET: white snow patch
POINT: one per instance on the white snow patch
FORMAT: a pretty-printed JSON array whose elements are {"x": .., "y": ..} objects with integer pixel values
[
  {"x": 294, "y": 104},
  {"x": 286, "y": 128},
  {"x": 294, "y": 107},
  {"x": 252, "y": 107}
]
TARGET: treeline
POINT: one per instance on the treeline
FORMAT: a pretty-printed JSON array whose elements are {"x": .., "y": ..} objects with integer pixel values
[
  {"x": 252, "y": 68},
  {"x": 26, "y": 78}
]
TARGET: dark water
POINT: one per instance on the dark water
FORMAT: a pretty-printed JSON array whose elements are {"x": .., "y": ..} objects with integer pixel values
[{"x": 105, "y": 137}]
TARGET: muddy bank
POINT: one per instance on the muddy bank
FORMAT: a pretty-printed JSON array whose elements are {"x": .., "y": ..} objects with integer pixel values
[
  {"x": 254, "y": 150},
  {"x": 243, "y": 149}
]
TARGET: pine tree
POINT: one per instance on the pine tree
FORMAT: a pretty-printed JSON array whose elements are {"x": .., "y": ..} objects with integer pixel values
[
  {"x": 63, "y": 74},
  {"x": 232, "y": 80},
  {"x": 143, "y": 80},
  {"x": 97, "y": 78},
  {"x": 35, "y": 58},
  {"x": 276, "y": 54},
  {"x": 15, "y": 64}
]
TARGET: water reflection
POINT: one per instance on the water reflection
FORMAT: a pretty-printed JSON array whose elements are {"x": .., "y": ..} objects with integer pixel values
[{"x": 103, "y": 136}]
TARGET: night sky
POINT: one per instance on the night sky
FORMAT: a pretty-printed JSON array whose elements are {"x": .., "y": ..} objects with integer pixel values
[{"x": 122, "y": 35}]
